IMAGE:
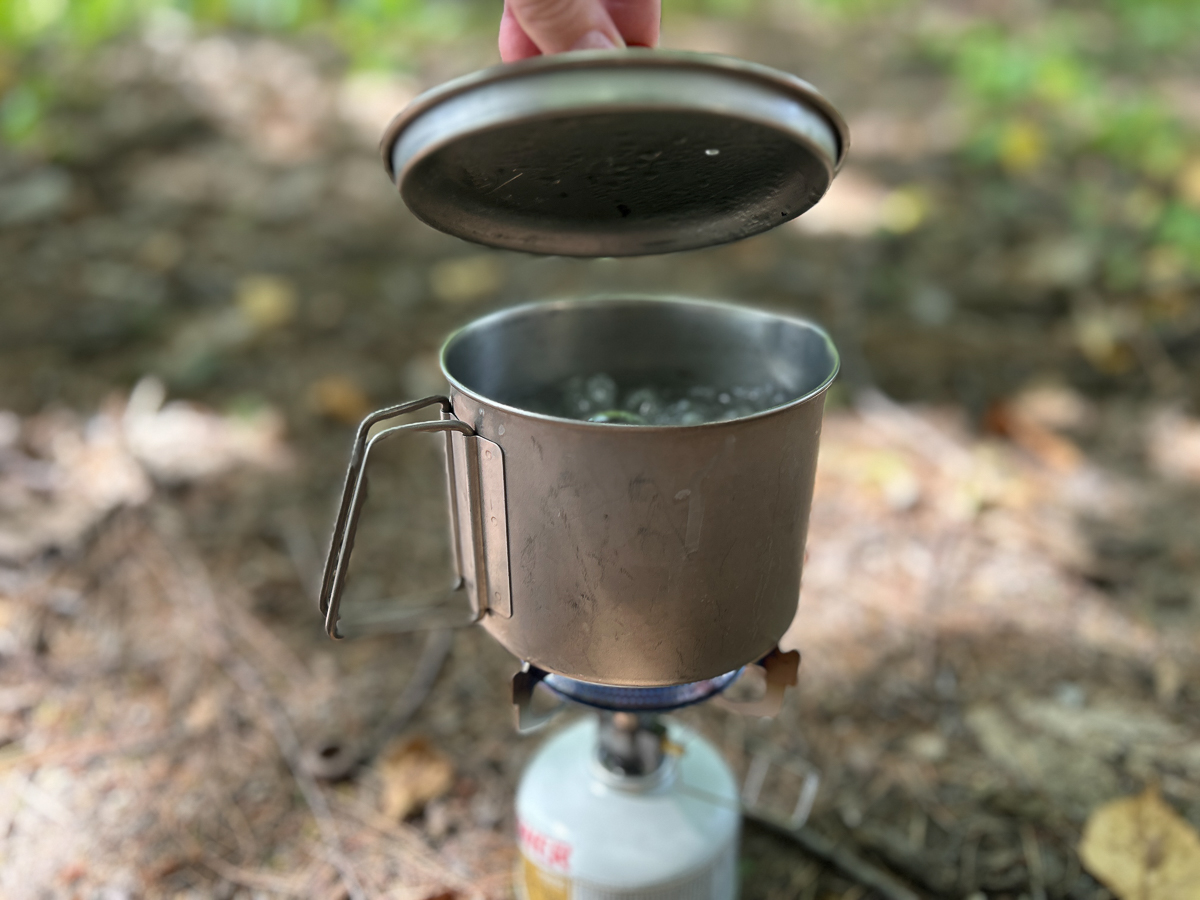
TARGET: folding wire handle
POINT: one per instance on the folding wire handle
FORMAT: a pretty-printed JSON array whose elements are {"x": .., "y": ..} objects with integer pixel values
[
  {"x": 354, "y": 494},
  {"x": 756, "y": 776}
]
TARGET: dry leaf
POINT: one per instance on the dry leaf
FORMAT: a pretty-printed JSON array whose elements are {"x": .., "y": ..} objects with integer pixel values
[
  {"x": 1022, "y": 147},
  {"x": 1173, "y": 445},
  {"x": 465, "y": 279},
  {"x": 1055, "y": 406},
  {"x": 1141, "y": 849},
  {"x": 1051, "y": 449},
  {"x": 179, "y": 442},
  {"x": 266, "y": 301},
  {"x": 339, "y": 397},
  {"x": 414, "y": 772}
]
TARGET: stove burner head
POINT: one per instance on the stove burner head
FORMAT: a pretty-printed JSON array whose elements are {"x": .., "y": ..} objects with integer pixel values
[{"x": 639, "y": 699}]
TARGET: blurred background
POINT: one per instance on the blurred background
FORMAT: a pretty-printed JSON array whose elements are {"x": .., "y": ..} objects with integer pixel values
[{"x": 206, "y": 280}]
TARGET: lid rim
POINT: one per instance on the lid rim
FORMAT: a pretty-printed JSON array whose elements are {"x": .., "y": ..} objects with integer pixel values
[
  {"x": 552, "y": 92},
  {"x": 632, "y": 56}
]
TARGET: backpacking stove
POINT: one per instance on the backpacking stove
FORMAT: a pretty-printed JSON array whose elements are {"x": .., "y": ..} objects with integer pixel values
[{"x": 629, "y": 478}]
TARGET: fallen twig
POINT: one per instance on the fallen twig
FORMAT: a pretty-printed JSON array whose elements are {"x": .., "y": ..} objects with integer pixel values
[
  {"x": 248, "y": 679},
  {"x": 840, "y": 856},
  {"x": 332, "y": 759},
  {"x": 420, "y": 683},
  {"x": 405, "y": 843},
  {"x": 295, "y": 886},
  {"x": 246, "y": 676},
  {"x": 85, "y": 751}
]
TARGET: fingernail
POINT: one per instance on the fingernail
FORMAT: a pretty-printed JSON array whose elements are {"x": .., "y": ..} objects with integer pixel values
[{"x": 594, "y": 40}]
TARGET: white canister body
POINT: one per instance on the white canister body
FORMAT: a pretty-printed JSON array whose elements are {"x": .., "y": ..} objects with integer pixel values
[{"x": 587, "y": 834}]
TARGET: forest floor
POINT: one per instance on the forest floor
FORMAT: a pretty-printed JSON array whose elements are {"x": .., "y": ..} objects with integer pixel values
[{"x": 1000, "y": 610}]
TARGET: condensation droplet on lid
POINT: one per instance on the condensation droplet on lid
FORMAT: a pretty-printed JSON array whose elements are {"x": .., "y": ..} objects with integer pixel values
[{"x": 712, "y": 151}]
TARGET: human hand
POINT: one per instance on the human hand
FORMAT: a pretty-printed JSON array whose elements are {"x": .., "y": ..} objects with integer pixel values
[{"x": 533, "y": 27}]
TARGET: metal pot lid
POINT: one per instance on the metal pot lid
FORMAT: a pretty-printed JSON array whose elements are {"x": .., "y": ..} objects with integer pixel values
[{"x": 615, "y": 152}]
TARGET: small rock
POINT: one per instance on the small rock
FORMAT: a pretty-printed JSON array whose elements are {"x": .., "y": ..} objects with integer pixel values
[
  {"x": 161, "y": 251},
  {"x": 1070, "y": 695},
  {"x": 1168, "y": 680},
  {"x": 438, "y": 819},
  {"x": 928, "y": 746},
  {"x": 120, "y": 283},
  {"x": 40, "y": 196},
  {"x": 931, "y": 305},
  {"x": 1060, "y": 262},
  {"x": 1173, "y": 446},
  {"x": 293, "y": 195},
  {"x": 327, "y": 310},
  {"x": 10, "y": 429},
  {"x": 487, "y": 810}
]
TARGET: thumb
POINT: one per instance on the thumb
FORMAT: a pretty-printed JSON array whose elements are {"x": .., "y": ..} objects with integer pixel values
[{"x": 556, "y": 26}]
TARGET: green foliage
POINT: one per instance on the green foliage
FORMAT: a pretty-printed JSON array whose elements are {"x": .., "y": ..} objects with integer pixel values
[
  {"x": 374, "y": 33},
  {"x": 1072, "y": 95},
  {"x": 26, "y": 24},
  {"x": 1066, "y": 91},
  {"x": 20, "y": 112},
  {"x": 1180, "y": 227}
]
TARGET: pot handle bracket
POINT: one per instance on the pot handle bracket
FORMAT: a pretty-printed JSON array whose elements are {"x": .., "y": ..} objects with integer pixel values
[
  {"x": 478, "y": 524},
  {"x": 779, "y": 671}
]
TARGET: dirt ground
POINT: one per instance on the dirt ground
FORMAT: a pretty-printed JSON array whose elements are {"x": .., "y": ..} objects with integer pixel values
[{"x": 1000, "y": 611}]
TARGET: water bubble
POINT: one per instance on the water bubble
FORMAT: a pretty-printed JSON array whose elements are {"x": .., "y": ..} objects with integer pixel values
[
  {"x": 644, "y": 401},
  {"x": 598, "y": 398},
  {"x": 601, "y": 390},
  {"x": 712, "y": 151}
]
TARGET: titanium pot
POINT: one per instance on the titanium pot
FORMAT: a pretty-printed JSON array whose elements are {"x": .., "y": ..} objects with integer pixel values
[{"x": 618, "y": 554}]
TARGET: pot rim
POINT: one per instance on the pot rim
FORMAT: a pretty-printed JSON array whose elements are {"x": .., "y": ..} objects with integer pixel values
[{"x": 616, "y": 299}]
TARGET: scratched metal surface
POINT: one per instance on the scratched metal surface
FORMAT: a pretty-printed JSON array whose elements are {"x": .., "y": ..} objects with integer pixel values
[{"x": 647, "y": 556}]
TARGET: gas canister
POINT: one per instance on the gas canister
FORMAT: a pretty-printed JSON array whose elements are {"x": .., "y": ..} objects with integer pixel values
[{"x": 593, "y": 827}]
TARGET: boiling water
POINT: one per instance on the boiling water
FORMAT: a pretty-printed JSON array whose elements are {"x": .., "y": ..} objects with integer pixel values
[{"x": 599, "y": 398}]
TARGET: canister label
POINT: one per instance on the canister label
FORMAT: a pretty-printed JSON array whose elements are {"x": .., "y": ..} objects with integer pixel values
[
  {"x": 538, "y": 884},
  {"x": 545, "y": 867},
  {"x": 549, "y": 853}
]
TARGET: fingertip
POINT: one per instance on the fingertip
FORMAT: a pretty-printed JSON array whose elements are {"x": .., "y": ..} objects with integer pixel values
[
  {"x": 637, "y": 20},
  {"x": 514, "y": 43},
  {"x": 556, "y": 26}
]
